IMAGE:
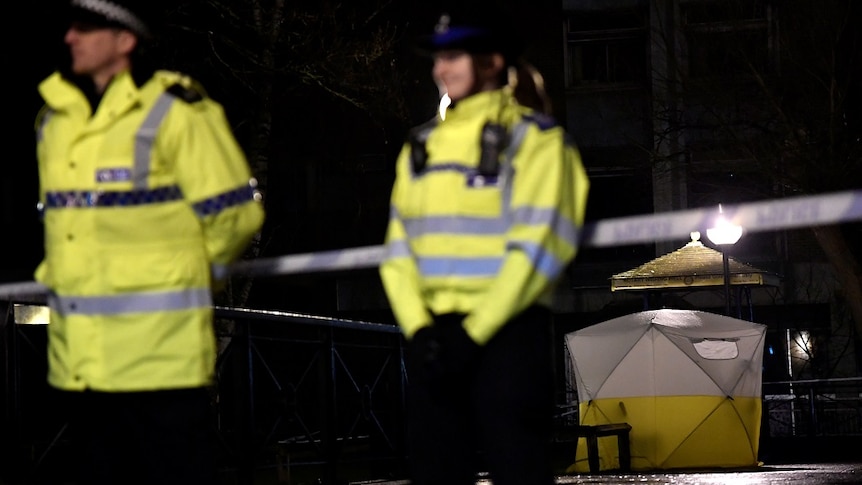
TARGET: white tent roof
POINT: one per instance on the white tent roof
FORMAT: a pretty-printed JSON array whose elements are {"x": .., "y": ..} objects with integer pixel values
[{"x": 667, "y": 352}]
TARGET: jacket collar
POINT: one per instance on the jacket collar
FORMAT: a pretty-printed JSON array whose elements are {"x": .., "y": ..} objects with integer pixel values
[
  {"x": 62, "y": 94},
  {"x": 492, "y": 103}
]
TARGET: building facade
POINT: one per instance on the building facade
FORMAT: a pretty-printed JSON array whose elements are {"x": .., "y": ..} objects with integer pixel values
[{"x": 681, "y": 104}]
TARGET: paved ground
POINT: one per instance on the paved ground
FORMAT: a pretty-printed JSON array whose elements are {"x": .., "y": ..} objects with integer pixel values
[
  {"x": 796, "y": 474},
  {"x": 810, "y": 474}
]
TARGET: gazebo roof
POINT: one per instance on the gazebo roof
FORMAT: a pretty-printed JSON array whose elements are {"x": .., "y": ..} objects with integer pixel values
[{"x": 693, "y": 265}]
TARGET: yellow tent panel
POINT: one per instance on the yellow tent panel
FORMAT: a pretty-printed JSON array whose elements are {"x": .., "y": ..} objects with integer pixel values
[{"x": 688, "y": 382}]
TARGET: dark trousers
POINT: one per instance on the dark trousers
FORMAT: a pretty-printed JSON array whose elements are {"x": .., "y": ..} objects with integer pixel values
[
  {"x": 496, "y": 415},
  {"x": 157, "y": 437}
]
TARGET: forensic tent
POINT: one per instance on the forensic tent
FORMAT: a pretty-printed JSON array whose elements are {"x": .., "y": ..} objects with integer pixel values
[{"x": 688, "y": 382}]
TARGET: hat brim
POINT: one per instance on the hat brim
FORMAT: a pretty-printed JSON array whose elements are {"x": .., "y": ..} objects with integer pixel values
[{"x": 476, "y": 41}]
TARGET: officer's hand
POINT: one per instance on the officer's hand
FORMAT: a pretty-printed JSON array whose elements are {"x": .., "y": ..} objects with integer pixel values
[
  {"x": 425, "y": 341},
  {"x": 423, "y": 353},
  {"x": 441, "y": 350},
  {"x": 457, "y": 349}
]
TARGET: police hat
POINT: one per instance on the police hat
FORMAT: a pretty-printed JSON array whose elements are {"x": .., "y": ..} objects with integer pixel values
[
  {"x": 475, "y": 30},
  {"x": 137, "y": 16}
]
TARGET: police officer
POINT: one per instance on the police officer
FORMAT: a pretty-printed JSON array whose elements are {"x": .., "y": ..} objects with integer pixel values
[
  {"x": 146, "y": 198},
  {"x": 485, "y": 214}
]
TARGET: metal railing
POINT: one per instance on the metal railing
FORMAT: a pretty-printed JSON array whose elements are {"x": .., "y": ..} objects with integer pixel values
[
  {"x": 301, "y": 394},
  {"x": 813, "y": 407},
  {"x": 300, "y": 391},
  {"x": 295, "y": 394}
]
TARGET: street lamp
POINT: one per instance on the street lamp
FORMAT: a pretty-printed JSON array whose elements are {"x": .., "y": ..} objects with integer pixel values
[{"x": 724, "y": 233}]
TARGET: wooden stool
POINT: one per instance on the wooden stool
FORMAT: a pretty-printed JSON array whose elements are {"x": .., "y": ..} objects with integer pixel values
[{"x": 593, "y": 432}]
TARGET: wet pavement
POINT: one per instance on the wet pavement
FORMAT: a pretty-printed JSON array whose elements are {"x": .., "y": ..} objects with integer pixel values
[
  {"x": 796, "y": 474},
  {"x": 808, "y": 474}
]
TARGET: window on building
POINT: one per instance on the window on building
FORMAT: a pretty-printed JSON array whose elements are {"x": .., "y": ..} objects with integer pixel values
[
  {"x": 606, "y": 48},
  {"x": 727, "y": 38}
]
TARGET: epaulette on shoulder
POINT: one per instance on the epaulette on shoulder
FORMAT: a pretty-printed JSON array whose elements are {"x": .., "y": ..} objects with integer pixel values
[
  {"x": 187, "y": 93},
  {"x": 543, "y": 121}
]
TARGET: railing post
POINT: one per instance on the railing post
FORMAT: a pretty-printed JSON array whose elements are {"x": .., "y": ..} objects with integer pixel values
[
  {"x": 812, "y": 409},
  {"x": 10, "y": 392},
  {"x": 328, "y": 384},
  {"x": 243, "y": 384}
]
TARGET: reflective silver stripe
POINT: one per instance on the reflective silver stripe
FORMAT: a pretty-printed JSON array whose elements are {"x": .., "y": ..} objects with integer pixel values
[
  {"x": 47, "y": 116},
  {"x": 115, "y": 13},
  {"x": 478, "y": 267},
  {"x": 132, "y": 302},
  {"x": 145, "y": 137},
  {"x": 542, "y": 260},
  {"x": 461, "y": 225},
  {"x": 562, "y": 227},
  {"x": 397, "y": 249},
  {"x": 507, "y": 170},
  {"x": 420, "y": 226}
]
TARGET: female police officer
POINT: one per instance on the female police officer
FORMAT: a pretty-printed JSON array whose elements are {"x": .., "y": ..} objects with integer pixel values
[{"x": 485, "y": 214}]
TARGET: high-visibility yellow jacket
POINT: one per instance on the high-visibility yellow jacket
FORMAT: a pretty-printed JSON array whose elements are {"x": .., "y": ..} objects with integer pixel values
[
  {"x": 145, "y": 203},
  {"x": 488, "y": 246}
]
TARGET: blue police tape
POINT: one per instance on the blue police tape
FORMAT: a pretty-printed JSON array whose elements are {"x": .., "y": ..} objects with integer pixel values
[
  {"x": 787, "y": 213},
  {"x": 11, "y": 291},
  {"x": 343, "y": 259}
]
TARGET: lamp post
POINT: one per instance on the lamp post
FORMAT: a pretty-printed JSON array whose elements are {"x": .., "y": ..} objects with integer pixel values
[{"x": 724, "y": 233}]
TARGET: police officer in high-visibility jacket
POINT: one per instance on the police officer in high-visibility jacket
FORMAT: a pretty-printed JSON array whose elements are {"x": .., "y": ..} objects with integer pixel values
[
  {"x": 485, "y": 215},
  {"x": 146, "y": 198}
]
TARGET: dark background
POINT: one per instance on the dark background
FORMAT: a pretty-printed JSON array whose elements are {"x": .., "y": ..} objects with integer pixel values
[{"x": 27, "y": 57}]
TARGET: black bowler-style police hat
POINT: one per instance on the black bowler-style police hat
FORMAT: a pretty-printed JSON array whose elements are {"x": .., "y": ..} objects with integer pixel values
[
  {"x": 475, "y": 30},
  {"x": 137, "y": 16}
]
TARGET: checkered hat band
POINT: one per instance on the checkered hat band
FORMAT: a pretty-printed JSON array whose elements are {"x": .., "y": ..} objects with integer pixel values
[{"x": 114, "y": 13}]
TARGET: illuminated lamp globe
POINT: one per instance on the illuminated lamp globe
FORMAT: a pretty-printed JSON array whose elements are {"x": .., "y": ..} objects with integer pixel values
[{"x": 724, "y": 232}]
